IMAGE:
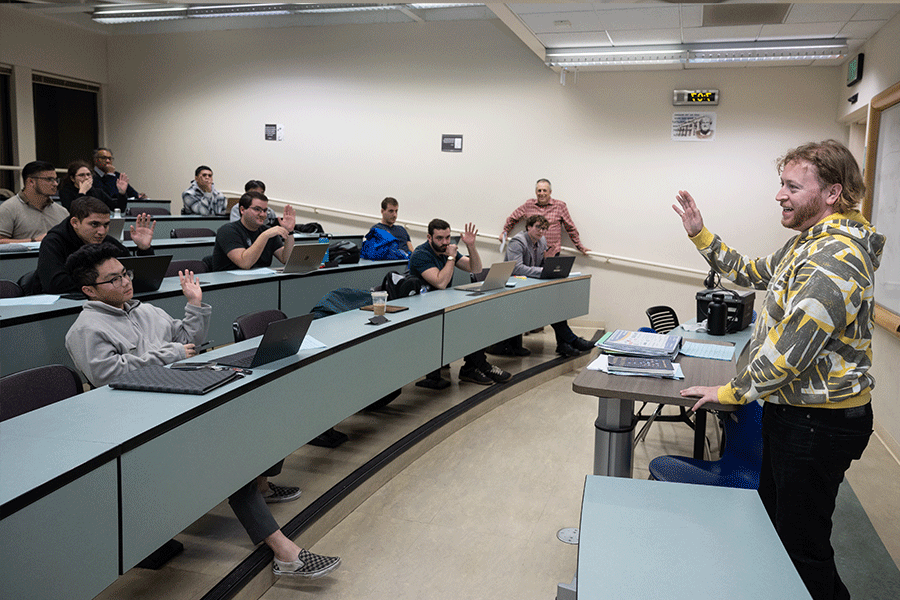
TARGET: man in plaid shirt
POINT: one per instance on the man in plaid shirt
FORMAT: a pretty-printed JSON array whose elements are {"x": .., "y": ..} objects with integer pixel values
[{"x": 554, "y": 211}]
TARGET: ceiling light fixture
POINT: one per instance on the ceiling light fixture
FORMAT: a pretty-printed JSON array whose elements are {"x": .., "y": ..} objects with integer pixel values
[
  {"x": 789, "y": 50},
  {"x": 138, "y": 14}
]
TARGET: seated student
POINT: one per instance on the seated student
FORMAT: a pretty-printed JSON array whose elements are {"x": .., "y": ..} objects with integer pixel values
[
  {"x": 115, "y": 334},
  {"x": 248, "y": 243},
  {"x": 88, "y": 224},
  {"x": 254, "y": 185},
  {"x": 434, "y": 262},
  {"x": 27, "y": 216},
  {"x": 389, "y": 209},
  {"x": 202, "y": 197},
  {"x": 80, "y": 182},
  {"x": 107, "y": 178},
  {"x": 528, "y": 249}
]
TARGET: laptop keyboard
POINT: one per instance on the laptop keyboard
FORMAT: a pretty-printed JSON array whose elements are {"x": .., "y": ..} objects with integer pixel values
[{"x": 238, "y": 359}]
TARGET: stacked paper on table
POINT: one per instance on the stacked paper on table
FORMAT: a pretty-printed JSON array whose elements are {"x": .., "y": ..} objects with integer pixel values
[
  {"x": 639, "y": 343},
  {"x": 602, "y": 363}
]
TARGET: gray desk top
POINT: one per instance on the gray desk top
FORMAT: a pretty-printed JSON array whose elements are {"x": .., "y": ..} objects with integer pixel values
[
  {"x": 653, "y": 539},
  {"x": 104, "y": 423}
]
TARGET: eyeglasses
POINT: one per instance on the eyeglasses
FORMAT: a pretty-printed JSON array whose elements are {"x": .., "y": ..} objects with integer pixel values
[
  {"x": 118, "y": 280},
  {"x": 47, "y": 179},
  {"x": 257, "y": 209},
  {"x": 101, "y": 157}
]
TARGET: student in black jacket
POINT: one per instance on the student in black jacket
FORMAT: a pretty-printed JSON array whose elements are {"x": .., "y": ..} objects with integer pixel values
[
  {"x": 88, "y": 223},
  {"x": 79, "y": 182}
]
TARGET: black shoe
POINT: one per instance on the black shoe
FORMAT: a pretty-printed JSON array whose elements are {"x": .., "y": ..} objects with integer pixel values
[
  {"x": 433, "y": 384},
  {"x": 473, "y": 375},
  {"x": 566, "y": 350},
  {"x": 496, "y": 374},
  {"x": 330, "y": 439},
  {"x": 519, "y": 351},
  {"x": 500, "y": 349},
  {"x": 582, "y": 344}
]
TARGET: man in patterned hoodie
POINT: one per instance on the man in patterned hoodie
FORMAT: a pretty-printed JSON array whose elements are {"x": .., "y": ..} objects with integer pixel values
[{"x": 811, "y": 348}]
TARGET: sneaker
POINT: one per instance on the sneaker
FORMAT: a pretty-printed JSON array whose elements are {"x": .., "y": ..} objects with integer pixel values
[
  {"x": 497, "y": 374},
  {"x": 473, "y": 375},
  {"x": 281, "y": 493},
  {"x": 433, "y": 384},
  {"x": 307, "y": 565},
  {"x": 566, "y": 350},
  {"x": 582, "y": 344}
]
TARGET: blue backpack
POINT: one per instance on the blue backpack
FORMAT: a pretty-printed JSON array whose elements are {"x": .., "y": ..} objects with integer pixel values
[{"x": 381, "y": 245}]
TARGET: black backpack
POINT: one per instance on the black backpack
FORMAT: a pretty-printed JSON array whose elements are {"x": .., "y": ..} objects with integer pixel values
[
  {"x": 343, "y": 252},
  {"x": 401, "y": 285}
]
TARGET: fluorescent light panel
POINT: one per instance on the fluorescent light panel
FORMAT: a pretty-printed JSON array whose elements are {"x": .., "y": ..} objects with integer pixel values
[
  {"x": 698, "y": 53},
  {"x": 135, "y": 14}
]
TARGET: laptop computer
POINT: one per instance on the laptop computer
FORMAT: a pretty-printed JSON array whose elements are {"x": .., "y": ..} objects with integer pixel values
[
  {"x": 304, "y": 258},
  {"x": 149, "y": 271},
  {"x": 557, "y": 267},
  {"x": 282, "y": 339},
  {"x": 496, "y": 278}
]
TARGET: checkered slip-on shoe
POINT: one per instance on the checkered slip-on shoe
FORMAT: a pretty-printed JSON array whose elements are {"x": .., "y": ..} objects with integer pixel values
[
  {"x": 307, "y": 565},
  {"x": 279, "y": 493}
]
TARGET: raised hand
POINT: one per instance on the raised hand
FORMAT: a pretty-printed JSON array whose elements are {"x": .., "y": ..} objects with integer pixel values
[
  {"x": 142, "y": 231},
  {"x": 122, "y": 183},
  {"x": 468, "y": 235},
  {"x": 689, "y": 213},
  {"x": 288, "y": 218},
  {"x": 190, "y": 286}
]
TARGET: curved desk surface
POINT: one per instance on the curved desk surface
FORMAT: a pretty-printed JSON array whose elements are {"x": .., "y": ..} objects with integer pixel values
[
  {"x": 110, "y": 475},
  {"x": 34, "y": 335}
]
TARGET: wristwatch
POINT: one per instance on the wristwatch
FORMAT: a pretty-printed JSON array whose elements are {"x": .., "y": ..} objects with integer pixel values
[{"x": 451, "y": 258}]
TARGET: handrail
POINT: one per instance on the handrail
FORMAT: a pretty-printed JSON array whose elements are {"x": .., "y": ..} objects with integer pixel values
[{"x": 602, "y": 255}]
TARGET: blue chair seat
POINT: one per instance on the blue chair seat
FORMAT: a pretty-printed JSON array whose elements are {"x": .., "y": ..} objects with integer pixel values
[{"x": 740, "y": 463}]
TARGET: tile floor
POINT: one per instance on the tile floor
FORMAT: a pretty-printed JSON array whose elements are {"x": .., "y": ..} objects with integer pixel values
[{"x": 475, "y": 516}]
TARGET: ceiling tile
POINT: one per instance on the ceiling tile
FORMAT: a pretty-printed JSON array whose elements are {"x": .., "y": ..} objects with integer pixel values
[
  {"x": 860, "y": 29},
  {"x": 544, "y": 22},
  {"x": 691, "y": 15},
  {"x": 574, "y": 40},
  {"x": 875, "y": 12},
  {"x": 640, "y": 18},
  {"x": 524, "y": 9},
  {"x": 645, "y": 37},
  {"x": 747, "y": 33},
  {"x": 800, "y": 31},
  {"x": 821, "y": 13}
]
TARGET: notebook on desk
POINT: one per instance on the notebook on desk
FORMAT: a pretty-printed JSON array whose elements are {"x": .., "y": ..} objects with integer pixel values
[
  {"x": 282, "y": 339},
  {"x": 304, "y": 258},
  {"x": 496, "y": 278},
  {"x": 149, "y": 271},
  {"x": 157, "y": 378},
  {"x": 557, "y": 267}
]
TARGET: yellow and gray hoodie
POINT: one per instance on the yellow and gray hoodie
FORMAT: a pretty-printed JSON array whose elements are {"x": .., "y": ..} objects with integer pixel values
[{"x": 812, "y": 343}]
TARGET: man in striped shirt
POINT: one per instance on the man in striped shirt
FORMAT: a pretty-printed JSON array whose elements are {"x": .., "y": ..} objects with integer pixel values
[{"x": 555, "y": 211}]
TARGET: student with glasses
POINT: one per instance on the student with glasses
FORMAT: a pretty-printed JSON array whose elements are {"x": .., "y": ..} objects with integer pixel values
[
  {"x": 249, "y": 243},
  {"x": 107, "y": 178},
  {"x": 115, "y": 334},
  {"x": 27, "y": 216}
]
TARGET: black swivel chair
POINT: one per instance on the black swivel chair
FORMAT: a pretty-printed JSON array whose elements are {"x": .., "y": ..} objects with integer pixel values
[
  {"x": 190, "y": 232},
  {"x": 10, "y": 289},
  {"x": 35, "y": 388},
  {"x": 197, "y": 266},
  {"x": 662, "y": 320}
]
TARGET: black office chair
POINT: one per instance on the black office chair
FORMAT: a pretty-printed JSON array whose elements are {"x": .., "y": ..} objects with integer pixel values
[
  {"x": 134, "y": 211},
  {"x": 10, "y": 289},
  {"x": 35, "y": 388},
  {"x": 662, "y": 320},
  {"x": 254, "y": 324},
  {"x": 189, "y": 232},
  {"x": 197, "y": 266}
]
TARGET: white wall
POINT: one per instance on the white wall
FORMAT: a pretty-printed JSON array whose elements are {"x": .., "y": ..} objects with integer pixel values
[{"x": 364, "y": 107}]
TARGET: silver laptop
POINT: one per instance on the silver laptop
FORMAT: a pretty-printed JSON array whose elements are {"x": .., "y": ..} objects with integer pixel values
[
  {"x": 304, "y": 258},
  {"x": 496, "y": 278},
  {"x": 282, "y": 339},
  {"x": 116, "y": 228}
]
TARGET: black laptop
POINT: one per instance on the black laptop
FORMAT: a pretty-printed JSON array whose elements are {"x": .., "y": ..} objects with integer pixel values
[
  {"x": 557, "y": 267},
  {"x": 149, "y": 271},
  {"x": 282, "y": 339}
]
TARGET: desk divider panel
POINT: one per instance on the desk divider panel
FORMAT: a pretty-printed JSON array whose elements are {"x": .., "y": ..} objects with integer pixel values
[
  {"x": 66, "y": 542},
  {"x": 505, "y": 315},
  {"x": 223, "y": 449}
]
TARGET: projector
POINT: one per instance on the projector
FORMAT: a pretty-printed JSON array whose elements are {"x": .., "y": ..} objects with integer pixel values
[{"x": 739, "y": 304}]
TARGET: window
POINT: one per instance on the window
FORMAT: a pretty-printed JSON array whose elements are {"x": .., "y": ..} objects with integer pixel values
[
  {"x": 7, "y": 178},
  {"x": 65, "y": 119}
]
